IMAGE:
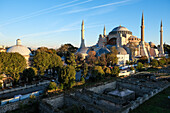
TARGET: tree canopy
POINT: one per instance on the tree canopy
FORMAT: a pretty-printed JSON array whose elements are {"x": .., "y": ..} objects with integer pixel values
[
  {"x": 66, "y": 76},
  {"x": 139, "y": 66},
  {"x": 154, "y": 63},
  {"x": 12, "y": 64},
  {"x": 102, "y": 60},
  {"x": 70, "y": 59},
  {"x": 115, "y": 71},
  {"x": 41, "y": 61},
  {"x": 97, "y": 72},
  {"x": 65, "y": 49},
  {"x": 29, "y": 73},
  {"x": 91, "y": 59}
]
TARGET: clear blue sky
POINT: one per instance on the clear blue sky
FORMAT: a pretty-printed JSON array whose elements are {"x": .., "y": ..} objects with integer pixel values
[{"x": 51, "y": 23}]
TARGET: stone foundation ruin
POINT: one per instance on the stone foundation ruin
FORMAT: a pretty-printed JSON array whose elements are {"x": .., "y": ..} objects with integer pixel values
[{"x": 119, "y": 96}]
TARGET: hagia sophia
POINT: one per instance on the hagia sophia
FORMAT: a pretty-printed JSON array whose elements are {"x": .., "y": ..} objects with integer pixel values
[{"x": 127, "y": 45}]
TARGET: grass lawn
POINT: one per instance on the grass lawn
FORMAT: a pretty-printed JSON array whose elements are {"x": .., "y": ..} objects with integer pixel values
[{"x": 157, "y": 104}]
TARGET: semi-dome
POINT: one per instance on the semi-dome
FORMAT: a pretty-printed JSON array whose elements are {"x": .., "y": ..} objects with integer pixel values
[
  {"x": 102, "y": 50},
  {"x": 23, "y": 50},
  {"x": 120, "y": 28},
  {"x": 121, "y": 51},
  {"x": 82, "y": 50}
]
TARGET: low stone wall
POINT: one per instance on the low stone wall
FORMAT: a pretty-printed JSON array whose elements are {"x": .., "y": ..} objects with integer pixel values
[
  {"x": 140, "y": 100},
  {"x": 13, "y": 106},
  {"x": 55, "y": 102},
  {"x": 101, "y": 88},
  {"x": 99, "y": 100},
  {"x": 92, "y": 99},
  {"x": 139, "y": 90},
  {"x": 46, "y": 108},
  {"x": 70, "y": 101}
]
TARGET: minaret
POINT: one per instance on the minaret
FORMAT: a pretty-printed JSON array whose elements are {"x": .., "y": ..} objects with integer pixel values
[
  {"x": 104, "y": 31},
  {"x": 142, "y": 29},
  {"x": 143, "y": 51},
  {"x": 161, "y": 51},
  {"x": 82, "y": 35}
]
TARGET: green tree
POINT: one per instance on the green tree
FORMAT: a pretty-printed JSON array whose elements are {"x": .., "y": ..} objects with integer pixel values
[
  {"x": 162, "y": 61},
  {"x": 41, "y": 61},
  {"x": 66, "y": 76},
  {"x": 65, "y": 49},
  {"x": 111, "y": 59},
  {"x": 55, "y": 62},
  {"x": 84, "y": 69},
  {"x": 115, "y": 71},
  {"x": 91, "y": 59},
  {"x": 79, "y": 58},
  {"x": 154, "y": 63},
  {"x": 0, "y": 84},
  {"x": 102, "y": 60},
  {"x": 139, "y": 66},
  {"x": 29, "y": 74},
  {"x": 132, "y": 68},
  {"x": 52, "y": 86},
  {"x": 107, "y": 71},
  {"x": 70, "y": 59},
  {"x": 42, "y": 49},
  {"x": 143, "y": 59},
  {"x": 97, "y": 72},
  {"x": 83, "y": 80},
  {"x": 13, "y": 64}
]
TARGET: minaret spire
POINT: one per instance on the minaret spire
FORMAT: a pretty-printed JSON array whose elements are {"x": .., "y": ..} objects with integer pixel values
[
  {"x": 161, "y": 51},
  {"x": 143, "y": 50},
  {"x": 142, "y": 28},
  {"x": 104, "y": 31},
  {"x": 82, "y": 34}
]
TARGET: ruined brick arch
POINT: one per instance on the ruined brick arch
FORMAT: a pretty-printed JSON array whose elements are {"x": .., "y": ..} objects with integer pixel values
[{"x": 112, "y": 41}]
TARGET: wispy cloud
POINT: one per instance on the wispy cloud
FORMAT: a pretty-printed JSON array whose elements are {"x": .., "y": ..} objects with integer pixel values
[
  {"x": 96, "y": 7},
  {"x": 70, "y": 27},
  {"x": 48, "y": 32},
  {"x": 45, "y": 11}
]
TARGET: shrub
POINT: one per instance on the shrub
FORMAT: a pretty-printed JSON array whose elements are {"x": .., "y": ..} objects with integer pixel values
[
  {"x": 132, "y": 68},
  {"x": 82, "y": 80},
  {"x": 107, "y": 71},
  {"x": 52, "y": 85},
  {"x": 97, "y": 72},
  {"x": 162, "y": 62},
  {"x": 139, "y": 66},
  {"x": 115, "y": 71},
  {"x": 32, "y": 97},
  {"x": 0, "y": 84},
  {"x": 154, "y": 63},
  {"x": 61, "y": 86}
]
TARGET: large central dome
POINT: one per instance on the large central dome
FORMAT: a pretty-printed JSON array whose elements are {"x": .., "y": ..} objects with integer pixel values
[
  {"x": 19, "y": 49},
  {"x": 120, "y": 28}
]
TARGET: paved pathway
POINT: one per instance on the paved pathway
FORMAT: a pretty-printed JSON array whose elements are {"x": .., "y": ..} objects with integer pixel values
[{"x": 22, "y": 92}]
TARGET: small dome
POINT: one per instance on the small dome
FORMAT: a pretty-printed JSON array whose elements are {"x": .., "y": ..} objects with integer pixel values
[
  {"x": 120, "y": 28},
  {"x": 19, "y": 49},
  {"x": 103, "y": 50},
  {"x": 121, "y": 51}
]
